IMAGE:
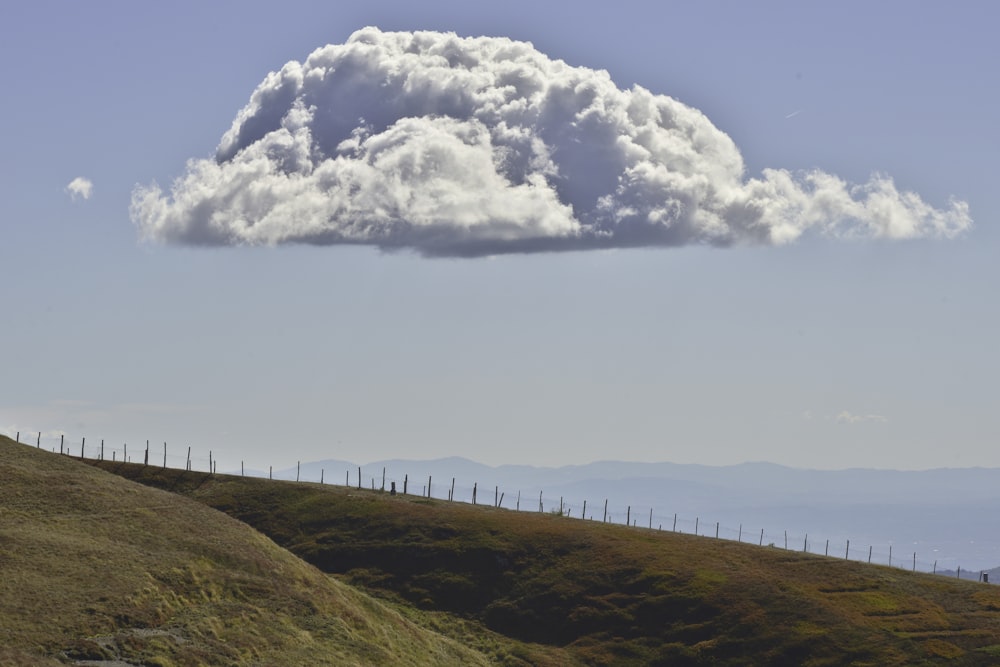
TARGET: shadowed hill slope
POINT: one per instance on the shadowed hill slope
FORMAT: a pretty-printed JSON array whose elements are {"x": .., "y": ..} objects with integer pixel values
[
  {"x": 609, "y": 594},
  {"x": 98, "y": 570}
]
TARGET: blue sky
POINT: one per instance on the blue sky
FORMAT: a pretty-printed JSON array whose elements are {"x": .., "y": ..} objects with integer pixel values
[{"x": 825, "y": 352}]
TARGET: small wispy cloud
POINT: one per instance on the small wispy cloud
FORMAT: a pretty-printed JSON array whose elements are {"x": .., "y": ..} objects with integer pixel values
[
  {"x": 80, "y": 188},
  {"x": 793, "y": 114},
  {"x": 847, "y": 417}
]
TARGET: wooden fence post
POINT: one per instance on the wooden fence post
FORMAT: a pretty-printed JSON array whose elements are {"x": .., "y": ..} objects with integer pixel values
[
  {"x": 359, "y": 478},
  {"x": 102, "y": 449},
  {"x": 716, "y": 530},
  {"x": 805, "y": 543},
  {"x": 914, "y": 561},
  {"x": 61, "y": 444},
  {"x": 541, "y": 508},
  {"x": 270, "y": 472},
  {"x": 605, "y": 519},
  {"x": 890, "y": 555},
  {"x": 321, "y": 475},
  {"x": 428, "y": 486},
  {"x": 496, "y": 496},
  {"x": 145, "y": 459},
  {"x": 500, "y": 502},
  {"x": 651, "y": 518},
  {"x": 298, "y": 470},
  {"x": 739, "y": 536},
  {"x": 584, "y": 514},
  {"x": 827, "y": 551},
  {"x": 474, "y": 487},
  {"x": 560, "y": 505},
  {"x": 82, "y": 446},
  {"x": 847, "y": 551},
  {"x": 628, "y": 516},
  {"x": 761, "y": 538},
  {"x": 164, "y": 455},
  {"x": 869, "y": 554},
  {"x": 38, "y": 443},
  {"x": 406, "y": 481},
  {"x": 125, "y": 452},
  {"x": 518, "y": 508},
  {"x": 451, "y": 493},
  {"x": 675, "y": 522},
  {"x": 383, "y": 478}
]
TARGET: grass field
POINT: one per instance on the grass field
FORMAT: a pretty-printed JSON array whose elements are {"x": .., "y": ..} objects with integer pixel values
[
  {"x": 99, "y": 570},
  {"x": 582, "y": 592}
]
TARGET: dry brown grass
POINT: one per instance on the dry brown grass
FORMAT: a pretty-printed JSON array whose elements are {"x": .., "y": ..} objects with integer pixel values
[
  {"x": 601, "y": 594},
  {"x": 95, "y": 567}
]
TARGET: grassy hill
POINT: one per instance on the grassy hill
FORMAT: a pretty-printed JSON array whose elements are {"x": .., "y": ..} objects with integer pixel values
[
  {"x": 98, "y": 570},
  {"x": 599, "y": 594}
]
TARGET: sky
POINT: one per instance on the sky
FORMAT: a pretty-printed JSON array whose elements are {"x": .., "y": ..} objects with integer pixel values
[{"x": 796, "y": 266}]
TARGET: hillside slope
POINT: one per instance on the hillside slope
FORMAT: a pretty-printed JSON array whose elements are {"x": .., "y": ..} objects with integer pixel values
[
  {"x": 99, "y": 570},
  {"x": 609, "y": 594}
]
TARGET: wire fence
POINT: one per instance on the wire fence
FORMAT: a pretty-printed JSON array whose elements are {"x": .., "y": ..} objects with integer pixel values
[{"x": 450, "y": 489}]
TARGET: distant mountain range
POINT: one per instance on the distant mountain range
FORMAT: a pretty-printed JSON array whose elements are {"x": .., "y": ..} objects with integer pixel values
[{"x": 933, "y": 520}]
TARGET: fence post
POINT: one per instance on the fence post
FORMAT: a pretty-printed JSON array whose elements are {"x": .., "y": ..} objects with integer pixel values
[
  {"x": 675, "y": 522},
  {"x": 560, "y": 505},
  {"x": 628, "y": 516},
  {"x": 19, "y": 437},
  {"x": 82, "y": 446},
  {"x": 890, "y": 555},
  {"x": 298, "y": 469},
  {"x": 359, "y": 478},
  {"x": 145, "y": 459},
  {"x": 500, "y": 502},
  {"x": 164, "y": 455},
  {"x": 805, "y": 543},
  {"x": 584, "y": 515},
  {"x": 451, "y": 493},
  {"x": 935, "y": 567},
  {"x": 869, "y": 554},
  {"x": 739, "y": 536},
  {"x": 786, "y": 540},
  {"x": 518, "y": 509},
  {"x": 383, "y": 478},
  {"x": 847, "y": 551},
  {"x": 541, "y": 508},
  {"x": 651, "y": 519},
  {"x": 241, "y": 468},
  {"x": 475, "y": 485},
  {"x": 716, "y": 530},
  {"x": 761, "y": 538},
  {"x": 827, "y": 552},
  {"x": 321, "y": 471},
  {"x": 406, "y": 481},
  {"x": 270, "y": 470},
  {"x": 428, "y": 486},
  {"x": 914, "y": 561},
  {"x": 187, "y": 466},
  {"x": 38, "y": 443},
  {"x": 125, "y": 452},
  {"x": 696, "y": 525},
  {"x": 102, "y": 449},
  {"x": 605, "y": 520},
  {"x": 496, "y": 496},
  {"x": 61, "y": 443}
]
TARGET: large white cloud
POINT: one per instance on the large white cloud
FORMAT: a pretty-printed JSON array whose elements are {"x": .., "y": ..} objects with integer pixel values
[{"x": 471, "y": 146}]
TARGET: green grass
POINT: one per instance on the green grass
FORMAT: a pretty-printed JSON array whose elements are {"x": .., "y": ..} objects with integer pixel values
[
  {"x": 95, "y": 567},
  {"x": 570, "y": 591}
]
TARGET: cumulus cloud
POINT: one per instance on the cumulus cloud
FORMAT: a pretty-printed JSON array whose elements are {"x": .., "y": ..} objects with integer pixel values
[
  {"x": 478, "y": 146},
  {"x": 79, "y": 187}
]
